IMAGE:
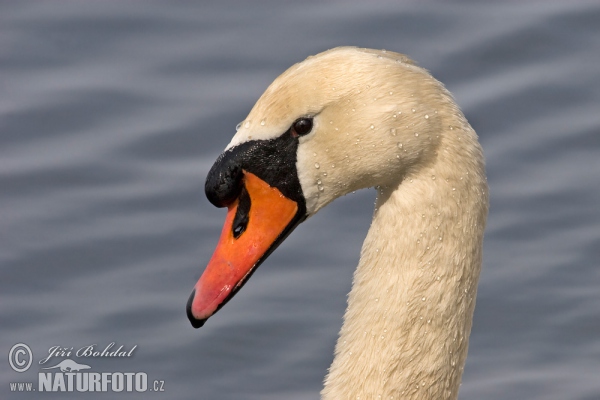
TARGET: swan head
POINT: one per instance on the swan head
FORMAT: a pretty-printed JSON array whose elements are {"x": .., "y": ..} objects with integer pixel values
[{"x": 339, "y": 121}]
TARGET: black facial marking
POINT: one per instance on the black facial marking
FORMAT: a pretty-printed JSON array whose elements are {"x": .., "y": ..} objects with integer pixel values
[
  {"x": 240, "y": 221},
  {"x": 273, "y": 161},
  {"x": 224, "y": 181}
]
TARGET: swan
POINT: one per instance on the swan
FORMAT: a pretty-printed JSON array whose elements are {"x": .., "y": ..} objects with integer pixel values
[{"x": 346, "y": 119}]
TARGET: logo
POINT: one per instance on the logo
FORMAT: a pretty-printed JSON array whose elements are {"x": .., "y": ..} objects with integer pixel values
[
  {"x": 65, "y": 374},
  {"x": 69, "y": 366}
]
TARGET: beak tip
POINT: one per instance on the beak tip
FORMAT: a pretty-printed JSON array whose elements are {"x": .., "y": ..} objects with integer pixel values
[{"x": 196, "y": 323}]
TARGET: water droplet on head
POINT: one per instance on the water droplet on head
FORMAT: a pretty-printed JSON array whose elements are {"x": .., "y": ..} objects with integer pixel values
[
  {"x": 317, "y": 165},
  {"x": 426, "y": 116},
  {"x": 433, "y": 177},
  {"x": 247, "y": 124},
  {"x": 399, "y": 145},
  {"x": 393, "y": 131},
  {"x": 262, "y": 123},
  {"x": 413, "y": 110},
  {"x": 416, "y": 134},
  {"x": 238, "y": 126},
  {"x": 372, "y": 126}
]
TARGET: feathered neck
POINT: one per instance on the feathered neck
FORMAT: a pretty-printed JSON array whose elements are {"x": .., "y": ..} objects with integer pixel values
[{"x": 406, "y": 329}]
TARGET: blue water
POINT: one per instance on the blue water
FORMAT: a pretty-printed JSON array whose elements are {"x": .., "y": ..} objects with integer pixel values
[{"x": 112, "y": 112}]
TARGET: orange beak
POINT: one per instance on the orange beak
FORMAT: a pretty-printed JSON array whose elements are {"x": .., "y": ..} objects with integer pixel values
[{"x": 236, "y": 256}]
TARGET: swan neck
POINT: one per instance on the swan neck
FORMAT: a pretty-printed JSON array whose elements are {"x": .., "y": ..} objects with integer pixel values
[{"x": 406, "y": 328}]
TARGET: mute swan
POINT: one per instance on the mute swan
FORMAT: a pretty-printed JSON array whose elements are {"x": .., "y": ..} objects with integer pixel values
[{"x": 343, "y": 120}]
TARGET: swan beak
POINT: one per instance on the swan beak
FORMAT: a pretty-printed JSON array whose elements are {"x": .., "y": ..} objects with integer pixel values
[{"x": 257, "y": 221}]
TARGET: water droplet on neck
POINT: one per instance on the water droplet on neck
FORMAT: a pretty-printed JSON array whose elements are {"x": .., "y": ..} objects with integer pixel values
[
  {"x": 426, "y": 116},
  {"x": 416, "y": 134},
  {"x": 247, "y": 124},
  {"x": 399, "y": 145},
  {"x": 262, "y": 123},
  {"x": 238, "y": 126},
  {"x": 413, "y": 110},
  {"x": 393, "y": 131},
  {"x": 317, "y": 165},
  {"x": 372, "y": 126}
]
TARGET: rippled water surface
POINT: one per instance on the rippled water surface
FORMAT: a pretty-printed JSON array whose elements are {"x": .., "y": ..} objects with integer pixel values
[{"x": 112, "y": 112}]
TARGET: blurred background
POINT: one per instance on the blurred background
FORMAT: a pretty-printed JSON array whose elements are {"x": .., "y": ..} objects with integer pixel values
[{"x": 112, "y": 112}]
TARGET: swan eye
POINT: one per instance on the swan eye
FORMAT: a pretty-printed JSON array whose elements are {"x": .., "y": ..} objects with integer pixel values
[{"x": 302, "y": 126}]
